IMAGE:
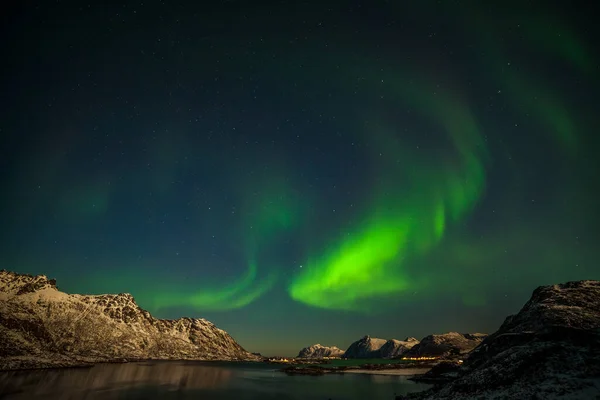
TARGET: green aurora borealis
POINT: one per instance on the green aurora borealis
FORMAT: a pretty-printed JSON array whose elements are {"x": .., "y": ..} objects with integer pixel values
[
  {"x": 311, "y": 165},
  {"x": 402, "y": 223}
]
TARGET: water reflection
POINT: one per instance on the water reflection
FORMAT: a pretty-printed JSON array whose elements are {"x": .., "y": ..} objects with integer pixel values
[
  {"x": 189, "y": 380},
  {"x": 74, "y": 383}
]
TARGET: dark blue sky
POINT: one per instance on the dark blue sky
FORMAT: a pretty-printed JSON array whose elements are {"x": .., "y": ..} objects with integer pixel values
[{"x": 302, "y": 172}]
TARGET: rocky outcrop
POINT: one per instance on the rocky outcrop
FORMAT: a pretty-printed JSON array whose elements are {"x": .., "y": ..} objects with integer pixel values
[
  {"x": 396, "y": 348},
  {"x": 41, "y": 326},
  {"x": 549, "y": 350},
  {"x": 318, "y": 351},
  {"x": 447, "y": 344}
]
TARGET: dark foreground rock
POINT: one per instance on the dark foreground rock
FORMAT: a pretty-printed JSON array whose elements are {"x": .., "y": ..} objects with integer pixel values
[
  {"x": 41, "y": 327},
  {"x": 445, "y": 371},
  {"x": 549, "y": 350}
]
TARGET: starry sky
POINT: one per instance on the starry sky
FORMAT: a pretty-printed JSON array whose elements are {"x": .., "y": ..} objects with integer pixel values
[{"x": 303, "y": 172}]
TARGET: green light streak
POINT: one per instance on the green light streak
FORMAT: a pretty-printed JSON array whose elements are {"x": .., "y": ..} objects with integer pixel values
[
  {"x": 231, "y": 296},
  {"x": 268, "y": 210},
  {"x": 405, "y": 221}
]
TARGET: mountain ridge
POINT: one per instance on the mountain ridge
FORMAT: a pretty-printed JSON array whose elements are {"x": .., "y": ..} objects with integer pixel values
[
  {"x": 450, "y": 343},
  {"x": 437, "y": 345},
  {"x": 40, "y": 326}
]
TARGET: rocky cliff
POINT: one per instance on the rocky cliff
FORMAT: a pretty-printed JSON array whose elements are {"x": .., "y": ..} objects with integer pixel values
[
  {"x": 549, "y": 350},
  {"x": 451, "y": 343},
  {"x": 318, "y": 351},
  {"x": 41, "y": 326}
]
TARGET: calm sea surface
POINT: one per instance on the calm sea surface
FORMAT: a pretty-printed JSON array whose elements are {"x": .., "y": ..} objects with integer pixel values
[{"x": 197, "y": 380}]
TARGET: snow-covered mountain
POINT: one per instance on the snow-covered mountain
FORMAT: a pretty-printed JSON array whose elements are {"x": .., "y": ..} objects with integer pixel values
[
  {"x": 368, "y": 347},
  {"x": 430, "y": 346},
  {"x": 549, "y": 350},
  {"x": 41, "y": 326},
  {"x": 395, "y": 348},
  {"x": 446, "y": 344},
  {"x": 319, "y": 351}
]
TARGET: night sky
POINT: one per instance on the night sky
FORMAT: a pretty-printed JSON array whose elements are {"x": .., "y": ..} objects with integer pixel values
[{"x": 303, "y": 172}]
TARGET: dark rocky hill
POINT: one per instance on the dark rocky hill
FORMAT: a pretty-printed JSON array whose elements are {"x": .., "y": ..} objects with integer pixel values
[{"x": 549, "y": 350}]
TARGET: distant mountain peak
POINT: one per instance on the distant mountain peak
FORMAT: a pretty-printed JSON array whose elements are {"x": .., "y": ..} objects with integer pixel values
[
  {"x": 439, "y": 345},
  {"x": 319, "y": 351},
  {"x": 369, "y": 347}
]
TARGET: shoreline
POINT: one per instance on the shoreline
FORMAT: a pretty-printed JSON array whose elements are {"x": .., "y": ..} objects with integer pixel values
[
  {"x": 22, "y": 364},
  {"x": 390, "y": 372},
  {"x": 369, "y": 369},
  {"x": 28, "y": 364}
]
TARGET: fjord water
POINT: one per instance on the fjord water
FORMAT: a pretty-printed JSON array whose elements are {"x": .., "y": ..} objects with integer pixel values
[{"x": 196, "y": 380}]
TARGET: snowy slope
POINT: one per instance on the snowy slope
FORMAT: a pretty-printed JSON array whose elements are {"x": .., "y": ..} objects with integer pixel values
[
  {"x": 366, "y": 347},
  {"x": 395, "y": 348},
  {"x": 41, "y": 326}
]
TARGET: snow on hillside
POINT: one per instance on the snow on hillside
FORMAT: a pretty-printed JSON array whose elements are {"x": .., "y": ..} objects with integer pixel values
[{"x": 39, "y": 322}]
